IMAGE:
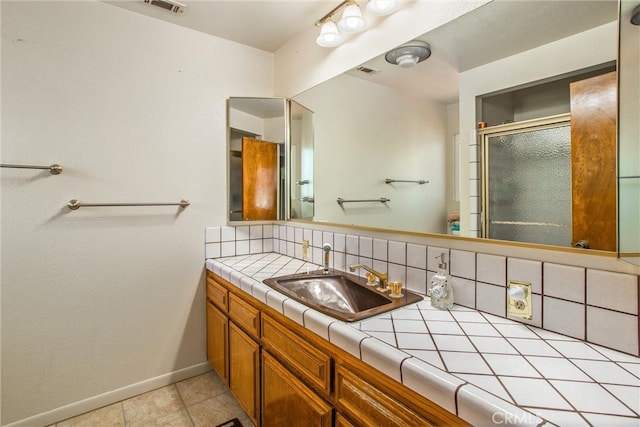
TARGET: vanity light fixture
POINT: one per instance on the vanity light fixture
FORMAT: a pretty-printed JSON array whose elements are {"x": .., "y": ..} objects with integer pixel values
[
  {"x": 382, "y": 7},
  {"x": 352, "y": 20},
  {"x": 409, "y": 54},
  {"x": 329, "y": 35}
]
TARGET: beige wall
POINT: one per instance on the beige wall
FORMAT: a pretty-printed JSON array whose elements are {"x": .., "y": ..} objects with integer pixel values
[{"x": 102, "y": 303}]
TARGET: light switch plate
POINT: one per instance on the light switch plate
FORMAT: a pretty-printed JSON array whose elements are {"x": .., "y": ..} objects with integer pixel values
[{"x": 519, "y": 299}]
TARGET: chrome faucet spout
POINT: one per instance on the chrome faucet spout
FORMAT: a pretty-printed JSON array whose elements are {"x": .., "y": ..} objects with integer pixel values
[
  {"x": 382, "y": 276},
  {"x": 327, "y": 249}
]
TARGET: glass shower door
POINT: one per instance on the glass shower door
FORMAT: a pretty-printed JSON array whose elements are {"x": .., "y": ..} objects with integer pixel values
[{"x": 527, "y": 184}]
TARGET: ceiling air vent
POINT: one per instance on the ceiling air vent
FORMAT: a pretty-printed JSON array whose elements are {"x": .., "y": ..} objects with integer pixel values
[
  {"x": 169, "y": 5},
  {"x": 367, "y": 70}
]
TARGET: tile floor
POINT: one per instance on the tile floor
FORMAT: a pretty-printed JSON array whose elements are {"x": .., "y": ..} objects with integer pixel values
[{"x": 200, "y": 401}]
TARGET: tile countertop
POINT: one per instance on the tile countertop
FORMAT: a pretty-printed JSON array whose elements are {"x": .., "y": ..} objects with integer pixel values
[{"x": 486, "y": 369}]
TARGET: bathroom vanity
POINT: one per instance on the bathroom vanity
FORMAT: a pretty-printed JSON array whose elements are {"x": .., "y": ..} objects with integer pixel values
[
  {"x": 415, "y": 365},
  {"x": 284, "y": 374}
]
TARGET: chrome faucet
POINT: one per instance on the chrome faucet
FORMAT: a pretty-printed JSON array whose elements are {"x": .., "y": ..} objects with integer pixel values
[
  {"x": 326, "y": 248},
  {"x": 382, "y": 276}
]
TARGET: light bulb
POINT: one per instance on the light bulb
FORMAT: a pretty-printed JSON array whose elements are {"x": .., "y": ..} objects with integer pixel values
[
  {"x": 329, "y": 35},
  {"x": 382, "y": 7},
  {"x": 352, "y": 20},
  {"x": 407, "y": 61}
]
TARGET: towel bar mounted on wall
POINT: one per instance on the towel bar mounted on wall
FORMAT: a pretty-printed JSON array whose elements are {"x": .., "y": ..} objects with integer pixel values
[
  {"x": 418, "y": 181},
  {"x": 340, "y": 200},
  {"x": 54, "y": 169},
  {"x": 75, "y": 204}
]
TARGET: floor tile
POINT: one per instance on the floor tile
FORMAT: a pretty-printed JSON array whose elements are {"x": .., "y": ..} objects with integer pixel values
[
  {"x": 202, "y": 387},
  {"x": 214, "y": 411},
  {"x": 109, "y": 416},
  {"x": 152, "y": 405}
]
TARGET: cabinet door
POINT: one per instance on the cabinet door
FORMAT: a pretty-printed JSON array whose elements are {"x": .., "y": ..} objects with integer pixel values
[
  {"x": 594, "y": 161},
  {"x": 217, "y": 330},
  {"x": 286, "y": 401},
  {"x": 244, "y": 373}
]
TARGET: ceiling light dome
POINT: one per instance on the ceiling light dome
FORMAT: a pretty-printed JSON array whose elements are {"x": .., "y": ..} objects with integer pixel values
[
  {"x": 382, "y": 7},
  {"x": 352, "y": 20},
  {"x": 409, "y": 54},
  {"x": 329, "y": 35}
]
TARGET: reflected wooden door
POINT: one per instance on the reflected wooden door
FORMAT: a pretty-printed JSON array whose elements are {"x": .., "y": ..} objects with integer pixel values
[
  {"x": 259, "y": 179},
  {"x": 593, "y": 161}
]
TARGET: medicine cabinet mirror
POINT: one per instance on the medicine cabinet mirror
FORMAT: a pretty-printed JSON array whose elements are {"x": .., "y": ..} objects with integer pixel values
[
  {"x": 385, "y": 132},
  {"x": 257, "y": 141}
]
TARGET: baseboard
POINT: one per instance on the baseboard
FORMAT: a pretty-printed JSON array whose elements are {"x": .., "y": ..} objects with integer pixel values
[{"x": 105, "y": 399}]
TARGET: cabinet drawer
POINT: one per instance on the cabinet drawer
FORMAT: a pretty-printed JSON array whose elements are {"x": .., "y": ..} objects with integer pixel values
[
  {"x": 217, "y": 294},
  {"x": 245, "y": 315},
  {"x": 367, "y": 405},
  {"x": 312, "y": 364}
]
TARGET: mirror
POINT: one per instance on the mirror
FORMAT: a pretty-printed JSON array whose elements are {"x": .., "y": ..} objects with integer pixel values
[
  {"x": 391, "y": 140},
  {"x": 629, "y": 135},
  {"x": 301, "y": 204},
  {"x": 256, "y": 141}
]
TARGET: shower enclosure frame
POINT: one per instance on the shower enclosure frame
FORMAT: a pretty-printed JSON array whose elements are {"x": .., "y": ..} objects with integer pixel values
[{"x": 484, "y": 135}]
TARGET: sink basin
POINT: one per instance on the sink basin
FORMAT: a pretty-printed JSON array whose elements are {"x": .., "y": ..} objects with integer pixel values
[{"x": 340, "y": 295}]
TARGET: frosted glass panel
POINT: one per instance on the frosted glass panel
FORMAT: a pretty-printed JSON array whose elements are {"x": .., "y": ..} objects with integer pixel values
[{"x": 529, "y": 186}]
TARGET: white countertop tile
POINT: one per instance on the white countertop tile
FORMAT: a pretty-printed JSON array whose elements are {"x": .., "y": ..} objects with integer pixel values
[
  {"x": 590, "y": 397},
  {"x": 383, "y": 357},
  {"x": 505, "y": 371},
  {"x": 432, "y": 383},
  {"x": 535, "y": 392},
  {"x": 481, "y": 408}
]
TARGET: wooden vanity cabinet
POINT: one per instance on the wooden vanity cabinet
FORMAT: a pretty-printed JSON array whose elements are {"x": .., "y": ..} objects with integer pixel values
[
  {"x": 217, "y": 339},
  {"x": 287, "y": 401},
  {"x": 371, "y": 406},
  {"x": 233, "y": 353},
  {"x": 244, "y": 371},
  {"x": 285, "y": 375}
]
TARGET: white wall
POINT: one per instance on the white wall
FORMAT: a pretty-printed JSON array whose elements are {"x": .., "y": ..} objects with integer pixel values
[
  {"x": 134, "y": 109},
  {"x": 301, "y": 63},
  {"x": 596, "y": 46},
  {"x": 366, "y": 133}
]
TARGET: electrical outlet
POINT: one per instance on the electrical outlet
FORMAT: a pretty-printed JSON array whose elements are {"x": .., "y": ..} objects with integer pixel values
[
  {"x": 305, "y": 249},
  {"x": 519, "y": 299}
]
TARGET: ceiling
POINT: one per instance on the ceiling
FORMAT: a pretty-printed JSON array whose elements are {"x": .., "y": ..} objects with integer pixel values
[
  {"x": 263, "y": 24},
  {"x": 495, "y": 30}
]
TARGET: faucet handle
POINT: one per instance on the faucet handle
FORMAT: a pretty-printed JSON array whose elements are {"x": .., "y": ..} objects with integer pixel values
[{"x": 371, "y": 278}]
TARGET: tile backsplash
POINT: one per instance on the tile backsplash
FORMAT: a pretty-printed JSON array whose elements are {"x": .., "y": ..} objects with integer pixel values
[{"x": 589, "y": 304}]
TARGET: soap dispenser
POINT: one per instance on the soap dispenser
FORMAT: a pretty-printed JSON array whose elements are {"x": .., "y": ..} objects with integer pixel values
[{"x": 441, "y": 287}]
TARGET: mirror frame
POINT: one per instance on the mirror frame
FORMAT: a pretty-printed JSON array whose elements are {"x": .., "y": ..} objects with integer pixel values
[{"x": 283, "y": 176}]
